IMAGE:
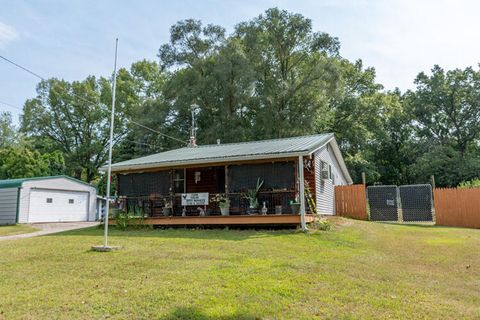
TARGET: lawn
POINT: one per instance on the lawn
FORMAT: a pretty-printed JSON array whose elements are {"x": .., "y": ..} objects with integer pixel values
[
  {"x": 357, "y": 270},
  {"x": 16, "y": 229}
]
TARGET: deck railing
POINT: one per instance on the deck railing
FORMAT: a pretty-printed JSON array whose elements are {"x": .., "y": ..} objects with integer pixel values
[{"x": 276, "y": 202}]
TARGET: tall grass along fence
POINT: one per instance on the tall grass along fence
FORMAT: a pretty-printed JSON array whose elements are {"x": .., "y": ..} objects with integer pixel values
[
  {"x": 351, "y": 201},
  {"x": 457, "y": 207}
]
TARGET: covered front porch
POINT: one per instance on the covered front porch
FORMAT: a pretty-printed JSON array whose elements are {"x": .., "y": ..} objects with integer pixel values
[{"x": 156, "y": 196}]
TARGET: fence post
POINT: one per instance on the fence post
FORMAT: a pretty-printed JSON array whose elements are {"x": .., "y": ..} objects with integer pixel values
[
  {"x": 399, "y": 206},
  {"x": 434, "y": 216}
]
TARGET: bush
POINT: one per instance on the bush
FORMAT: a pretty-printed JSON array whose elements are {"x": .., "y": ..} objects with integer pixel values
[
  {"x": 322, "y": 224},
  {"x": 125, "y": 221},
  {"x": 475, "y": 183},
  {"x": 122, "y": 220}
]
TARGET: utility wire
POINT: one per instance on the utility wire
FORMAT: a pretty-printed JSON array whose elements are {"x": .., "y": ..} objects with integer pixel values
[
  {"x": 142, "y": 144},
  {"x": 79, "y": 97},
  {"x": 42, "y": 78},
  {"x": 10, "y": 105},
  {"x": 158, "y": 132},
  {"x": 25, "y": 69}
]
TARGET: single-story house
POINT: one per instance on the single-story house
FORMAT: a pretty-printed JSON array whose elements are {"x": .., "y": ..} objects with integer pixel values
[
  {"x": 46, "y": 199},
  {"x": 188, "y": 180}
]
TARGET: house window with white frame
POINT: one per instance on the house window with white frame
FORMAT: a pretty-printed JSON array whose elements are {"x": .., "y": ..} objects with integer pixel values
[{"x": 325, "y": 170}]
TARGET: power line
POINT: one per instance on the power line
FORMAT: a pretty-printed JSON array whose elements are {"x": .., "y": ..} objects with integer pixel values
[
  {"x": 141, "y": 144},
  {"x": 21, "y": 67},
  {"x": 79, "y": 97},
  {"x": 10, "y": 105},
  {"x": 158, "y": 132},
  {"x": 42, "y": 78}
]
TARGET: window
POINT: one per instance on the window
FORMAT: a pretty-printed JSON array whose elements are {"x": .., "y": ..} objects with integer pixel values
[
  {"x": 275, "y": 176},
  {"x": 49, "y": 200},
  {"x": 179, "y": 181},
  {"x": 325, "y": 170},
  {"x": 71, "y": 201}
]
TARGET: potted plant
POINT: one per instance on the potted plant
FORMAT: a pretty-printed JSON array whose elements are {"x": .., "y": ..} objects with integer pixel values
[
  {"x": 295, "y": 207},
  {"x": 223, "y": 203},
  {"x": 168, "y": 207},
  {"x": 251, "y": 196}
]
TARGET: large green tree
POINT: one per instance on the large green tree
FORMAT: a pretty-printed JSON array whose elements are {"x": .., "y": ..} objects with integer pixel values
[
  {"x": 210, "y": 75},
  {"x": 74, "y": 119},
  {"x": 445, "y": 108},
  {"x": 295, "y": 72},
  {"x": 22, "y": 162}
]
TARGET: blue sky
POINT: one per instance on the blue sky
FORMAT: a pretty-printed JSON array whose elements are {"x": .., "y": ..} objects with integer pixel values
[{"x": 72, "y": 39}]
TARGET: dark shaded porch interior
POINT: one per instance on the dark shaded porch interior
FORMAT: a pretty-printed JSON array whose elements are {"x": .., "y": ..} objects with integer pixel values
[{"x": 147, "y": 193}]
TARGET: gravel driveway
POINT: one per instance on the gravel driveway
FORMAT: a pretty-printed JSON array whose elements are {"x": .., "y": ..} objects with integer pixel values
[{"x": 48, "y": 228}]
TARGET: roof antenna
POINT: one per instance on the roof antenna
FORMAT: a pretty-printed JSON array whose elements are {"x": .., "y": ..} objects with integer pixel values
[{"x": 193, "y": 129}]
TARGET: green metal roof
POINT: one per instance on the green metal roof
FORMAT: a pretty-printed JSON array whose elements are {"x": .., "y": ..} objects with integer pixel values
[
  {"x": 254, "y": 150},
  {"x": 17, "y": 183},
  {"x": 11, "y": 183}
]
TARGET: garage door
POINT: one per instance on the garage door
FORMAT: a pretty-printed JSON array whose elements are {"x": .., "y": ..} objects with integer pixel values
[{"x": 57, "y": 206}]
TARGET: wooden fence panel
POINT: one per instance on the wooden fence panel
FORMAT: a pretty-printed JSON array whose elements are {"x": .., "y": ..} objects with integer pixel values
[
  {"x": 351, "y": 201},
  {"x": 457, "y": 207}
]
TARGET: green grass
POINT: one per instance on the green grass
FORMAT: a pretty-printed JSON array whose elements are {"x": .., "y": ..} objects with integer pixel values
[
  {"x": 357, "y": 270},
  {"x": 16, "y": 229}
]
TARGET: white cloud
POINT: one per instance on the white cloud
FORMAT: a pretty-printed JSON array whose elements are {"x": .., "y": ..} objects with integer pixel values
[{"x": 7, "y": 34}]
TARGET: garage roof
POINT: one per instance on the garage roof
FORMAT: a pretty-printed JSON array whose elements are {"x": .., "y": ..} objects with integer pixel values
[{"x": 17, "y": 183}]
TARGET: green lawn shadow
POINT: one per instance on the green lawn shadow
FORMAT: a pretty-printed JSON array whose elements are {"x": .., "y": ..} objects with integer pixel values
[
  {"x": 180, "y": 233},
  {"x": 196, "y": 314}
]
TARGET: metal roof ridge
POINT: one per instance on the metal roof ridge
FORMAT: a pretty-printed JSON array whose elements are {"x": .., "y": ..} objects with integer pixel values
[{"x": 256, "y": 141}]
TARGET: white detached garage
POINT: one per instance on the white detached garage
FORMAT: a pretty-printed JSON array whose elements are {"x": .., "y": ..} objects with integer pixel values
[{"x": 53, "y": 199}]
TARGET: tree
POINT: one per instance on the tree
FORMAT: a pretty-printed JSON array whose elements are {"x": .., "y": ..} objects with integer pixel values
[
  {"x": 446, "y": 106},
  {"x": 145, "y": 83},
  {"x": 21, "y": 162},
  {"x": 74, "y": 119},
  {"x": 213, "y": 79},
  {"x": 7, "y": 130},
  {"x": 295, "y": 72},
  {"x": 445, "y": 109}
]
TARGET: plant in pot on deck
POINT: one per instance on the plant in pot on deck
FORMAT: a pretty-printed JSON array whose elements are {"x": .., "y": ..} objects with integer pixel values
[
  {"x": 295, "y": 206},
  {"x": 251, "y": 196},
  {"x": 223, "y": 203},
  {"x": 168, "y": 207}
]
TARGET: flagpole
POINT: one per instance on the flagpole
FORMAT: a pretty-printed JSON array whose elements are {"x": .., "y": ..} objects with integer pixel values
[{"x": 105, "y": 246}]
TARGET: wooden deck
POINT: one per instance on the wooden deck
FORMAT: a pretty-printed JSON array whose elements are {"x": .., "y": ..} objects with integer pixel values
[{"x": 284, "y": 219}]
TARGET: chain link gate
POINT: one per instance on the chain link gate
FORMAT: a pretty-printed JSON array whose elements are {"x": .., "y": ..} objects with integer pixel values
[
  {"x": 416, "y": 203},
  {"x": 409, "y": 203},
  {"x": 383, "y": 203}
]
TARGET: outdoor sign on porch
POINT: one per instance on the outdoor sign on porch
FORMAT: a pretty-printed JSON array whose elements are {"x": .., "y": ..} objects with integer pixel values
[{"x": 195, "y": 199}]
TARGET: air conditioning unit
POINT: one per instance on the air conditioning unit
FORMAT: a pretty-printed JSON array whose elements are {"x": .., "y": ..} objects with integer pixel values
[
  {"x": 326, "y": 171},
  {"x": 324, "y": 174}
]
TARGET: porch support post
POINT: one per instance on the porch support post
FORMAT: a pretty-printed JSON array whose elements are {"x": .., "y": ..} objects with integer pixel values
[
  {"x": 301, "y": 188},
  {"x": 226, "y": 179}
]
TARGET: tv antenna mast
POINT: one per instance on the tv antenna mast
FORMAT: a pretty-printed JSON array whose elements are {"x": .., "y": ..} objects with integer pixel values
[{"x": 193, "y": 129}]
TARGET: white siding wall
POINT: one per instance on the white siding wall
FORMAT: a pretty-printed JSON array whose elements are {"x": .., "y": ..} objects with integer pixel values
[
  {"x": 8, "y": 205},
  {"x": 55, "y": 184},
  {"x": 325, "y": 193}
]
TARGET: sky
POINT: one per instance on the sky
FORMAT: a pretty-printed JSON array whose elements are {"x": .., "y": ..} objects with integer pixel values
[{"x": 76, "y": 38}]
